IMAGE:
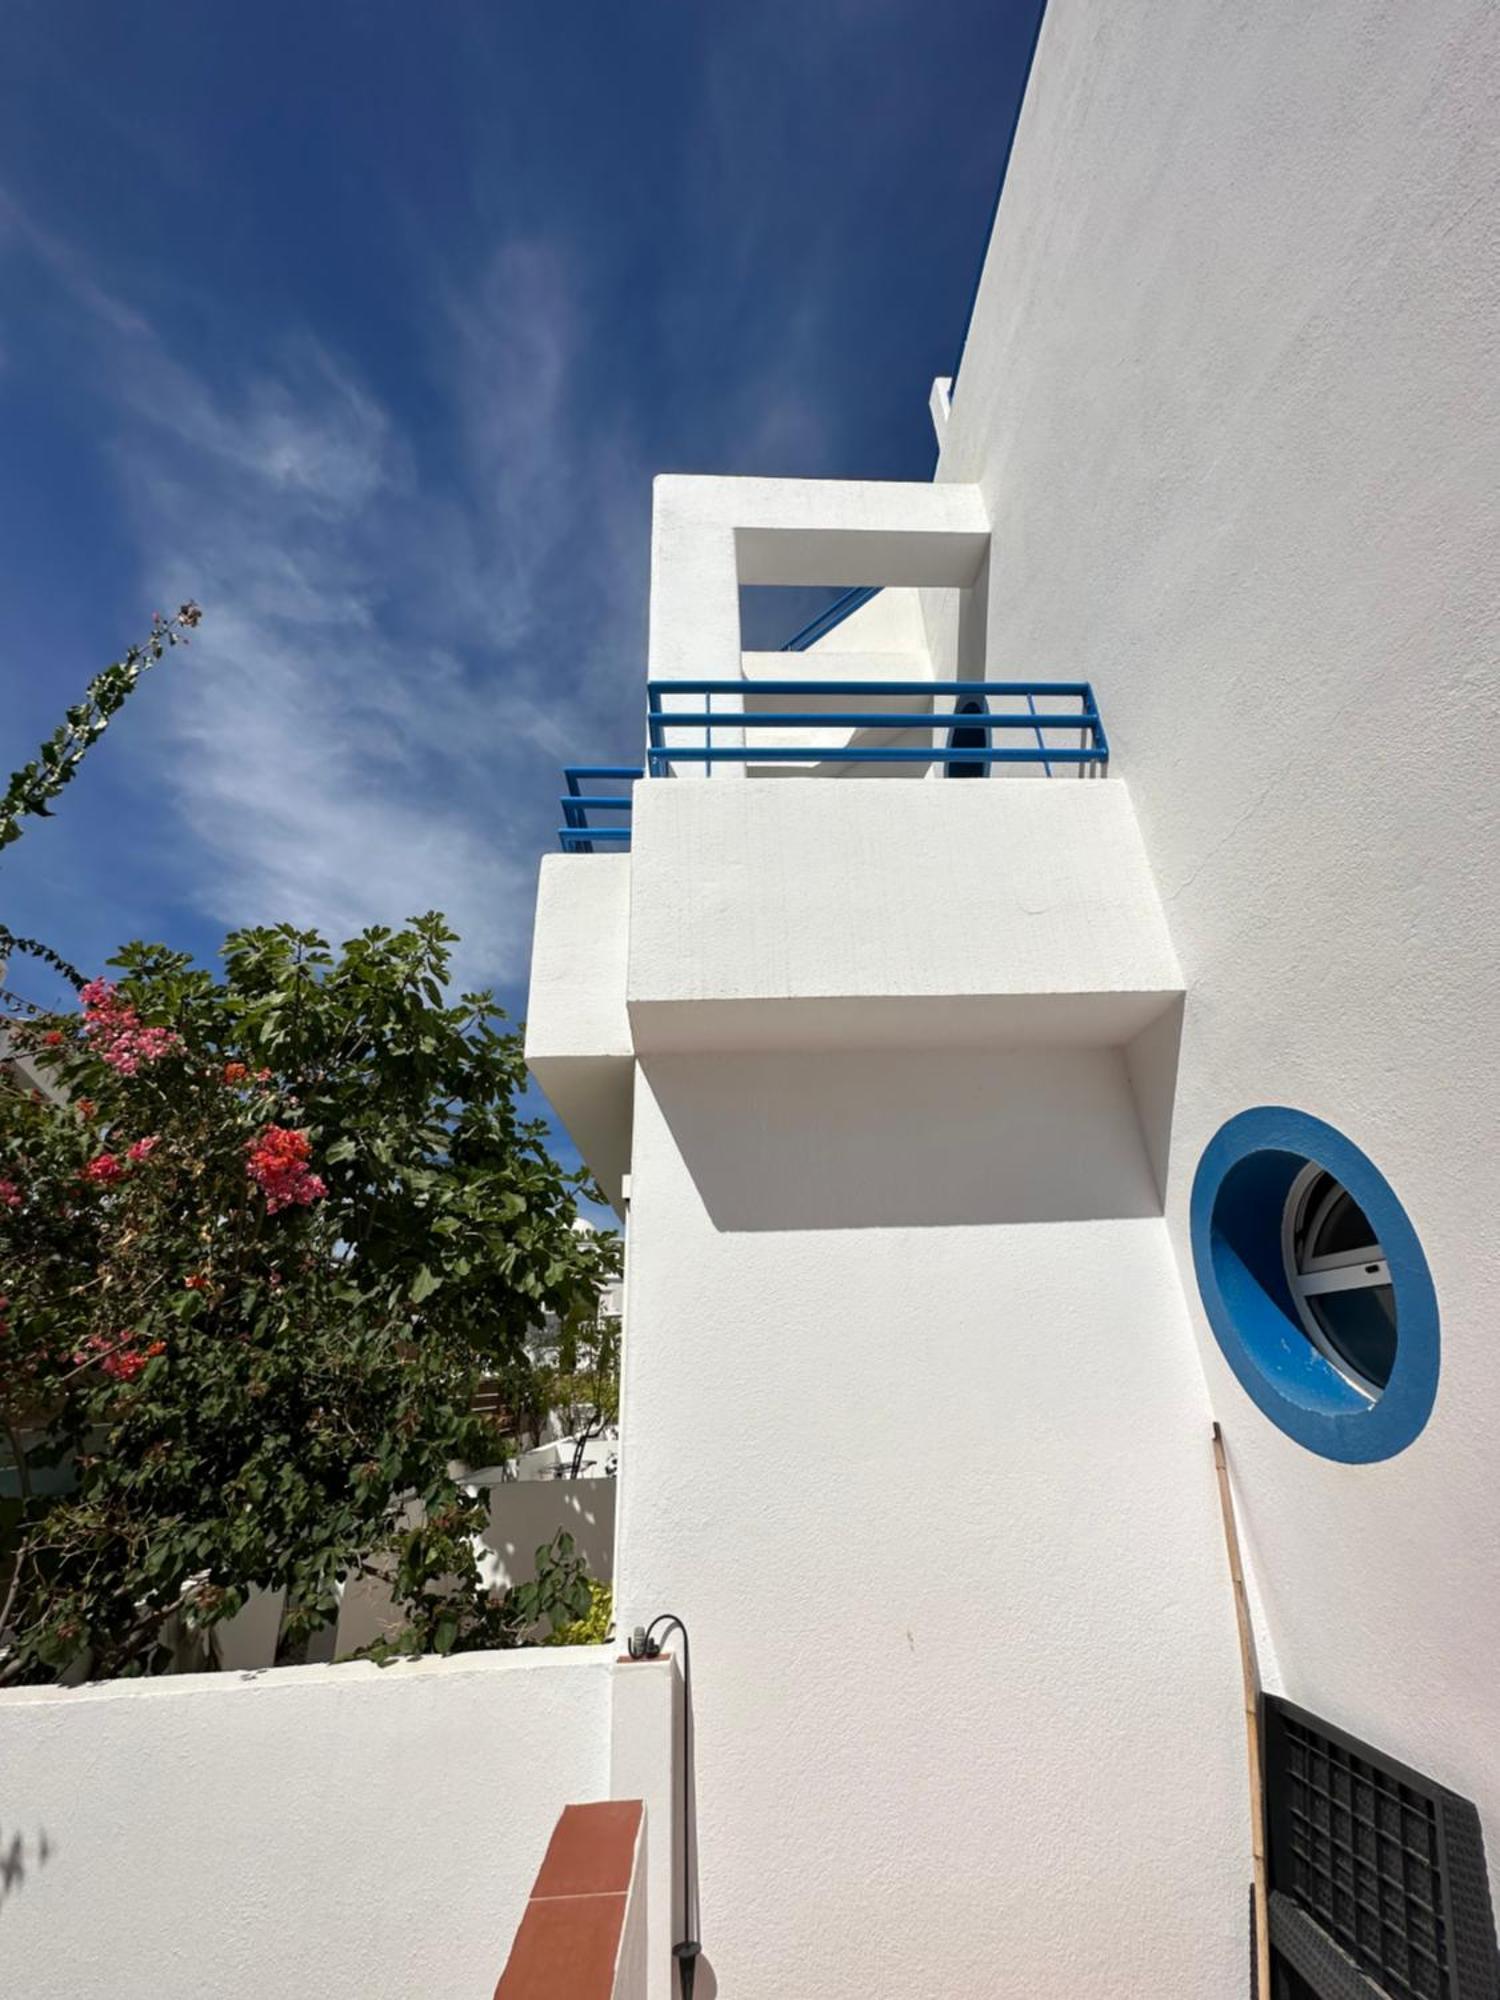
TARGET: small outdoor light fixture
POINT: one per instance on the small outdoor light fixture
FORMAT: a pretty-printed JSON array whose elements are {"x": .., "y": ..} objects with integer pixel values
[{"x": 645, "y": 1644}]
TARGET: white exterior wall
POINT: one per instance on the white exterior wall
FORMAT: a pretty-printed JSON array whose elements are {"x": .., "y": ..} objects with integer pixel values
[
  {"x": 526, "y": 1513},
  {"x": 892, "y": 1192},
  {"x": 345, "y": 1832},
  {"x": 889, "y": 623},
  {"x": 989, "y": 1743},
  {"x": 1223, "y": 444},
  {"x": 1231, "y": 394}
]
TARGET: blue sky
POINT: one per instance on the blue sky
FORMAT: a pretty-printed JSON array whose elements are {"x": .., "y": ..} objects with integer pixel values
[{"x": 367, "y": 325}]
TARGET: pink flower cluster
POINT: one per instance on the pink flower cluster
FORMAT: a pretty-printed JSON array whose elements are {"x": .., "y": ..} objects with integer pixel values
[
  {"x": 115, "y": 1030},
  {"x": 117, "y": 1354},
  {"x": 10, "y": 1195},
  {"x": 107, "y": 1167},
  {"x": 278, "y": 1166}
]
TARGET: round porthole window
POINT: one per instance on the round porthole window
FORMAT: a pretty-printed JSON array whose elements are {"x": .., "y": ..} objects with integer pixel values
[{"x": 1315, "y": 1285}]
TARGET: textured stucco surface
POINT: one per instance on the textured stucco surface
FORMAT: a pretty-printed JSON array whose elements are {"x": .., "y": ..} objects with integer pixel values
[
  {"x": 343, "y": 1831},
  {"x": 918, "y": 1447},
  {"x": 1231, "y": 393},
  {"x": 771, "y": 892},
  {"x": 577, "y": 1001}
]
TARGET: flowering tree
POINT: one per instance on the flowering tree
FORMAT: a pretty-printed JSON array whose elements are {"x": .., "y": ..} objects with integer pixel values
[{"x": 251, "y": 1270}]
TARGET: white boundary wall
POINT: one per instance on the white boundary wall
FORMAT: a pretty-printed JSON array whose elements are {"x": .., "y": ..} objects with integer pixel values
[
  {"x": 340, "y": 1832},
  {"x": 525, "y": 1514}
]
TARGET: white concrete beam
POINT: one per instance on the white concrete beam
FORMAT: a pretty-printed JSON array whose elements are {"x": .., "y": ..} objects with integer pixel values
[{"x": 710, "y": 535}]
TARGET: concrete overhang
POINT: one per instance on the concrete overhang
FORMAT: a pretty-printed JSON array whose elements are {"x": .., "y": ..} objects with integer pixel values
[{"x": 577, "y": 1032}]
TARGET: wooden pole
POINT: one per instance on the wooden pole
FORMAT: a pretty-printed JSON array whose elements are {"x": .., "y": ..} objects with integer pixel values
[{"x": 1250, "y": 1680}]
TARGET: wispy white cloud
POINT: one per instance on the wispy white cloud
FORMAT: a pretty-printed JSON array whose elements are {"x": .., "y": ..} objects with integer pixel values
[
  {"x": 19, "y": 228},
  {"x": 409, "y": 630},
  {"x": 373, "y": 721}
]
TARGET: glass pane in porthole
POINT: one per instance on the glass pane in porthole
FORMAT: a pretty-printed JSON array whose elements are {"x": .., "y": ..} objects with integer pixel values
[
  {"x": 1338, "y": 1227},
  {"x": 1360, "y": 1326}
]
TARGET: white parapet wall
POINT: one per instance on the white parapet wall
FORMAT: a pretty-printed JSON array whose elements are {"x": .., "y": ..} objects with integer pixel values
[
  {"x": 824, "y": 914},
  {"x": 343, "y": 1833},
  {"x": 577, "y": 1031},
  {"x": 524, "y": 1516}
]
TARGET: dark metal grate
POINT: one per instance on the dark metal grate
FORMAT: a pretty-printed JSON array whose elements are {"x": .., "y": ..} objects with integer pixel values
[
  {"x": 1378, "y": 1885},
  {"x": 1365, "y": 1864},
  {"x": 1288, "y": 1984}
]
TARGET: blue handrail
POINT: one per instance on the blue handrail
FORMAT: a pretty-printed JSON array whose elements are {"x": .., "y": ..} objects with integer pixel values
[
  {"x": 1089, "y": 752},
  {"x": 970, "y": 736},
  {"x": 576, "y": 835}
]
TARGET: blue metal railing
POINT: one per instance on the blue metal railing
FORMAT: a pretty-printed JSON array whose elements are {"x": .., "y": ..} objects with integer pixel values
[
  {"x": 575, "y": 834},
  {"x": 1059, "y": 719},
  {"x": 971, "y": 717}
]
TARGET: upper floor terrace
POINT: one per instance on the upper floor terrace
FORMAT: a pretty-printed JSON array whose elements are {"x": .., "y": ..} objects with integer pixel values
[
  {"x": 705, "y": 902},
  {"x": 856, "y": 694}
]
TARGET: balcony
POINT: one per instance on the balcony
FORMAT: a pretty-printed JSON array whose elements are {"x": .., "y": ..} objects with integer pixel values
[
  {"x": 706, "y": 905},
  {"x": 760, "y": 728},
  {"x": 772, "y": 915}
]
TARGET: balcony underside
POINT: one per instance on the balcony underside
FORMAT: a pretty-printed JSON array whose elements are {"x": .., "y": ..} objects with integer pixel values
[
  {"x": 1104, "y": 1019},
  {"x": 765, "y": 916}
]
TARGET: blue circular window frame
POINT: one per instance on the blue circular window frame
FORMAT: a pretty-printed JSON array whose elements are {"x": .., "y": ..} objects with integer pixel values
[{"x": 1238, "y": 1202}]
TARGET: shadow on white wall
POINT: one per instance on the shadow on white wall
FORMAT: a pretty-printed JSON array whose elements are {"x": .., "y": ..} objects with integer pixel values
[{"x": 898, "y": 1138}]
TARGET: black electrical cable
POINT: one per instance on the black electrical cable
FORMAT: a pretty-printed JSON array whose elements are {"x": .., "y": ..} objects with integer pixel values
[{"x": 687, "y": 1952}]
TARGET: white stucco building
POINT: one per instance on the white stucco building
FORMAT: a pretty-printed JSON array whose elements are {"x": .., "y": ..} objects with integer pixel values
[
  {"x": 1148, "y": 1082},
  {"x": 1023, "y": 1109}
]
